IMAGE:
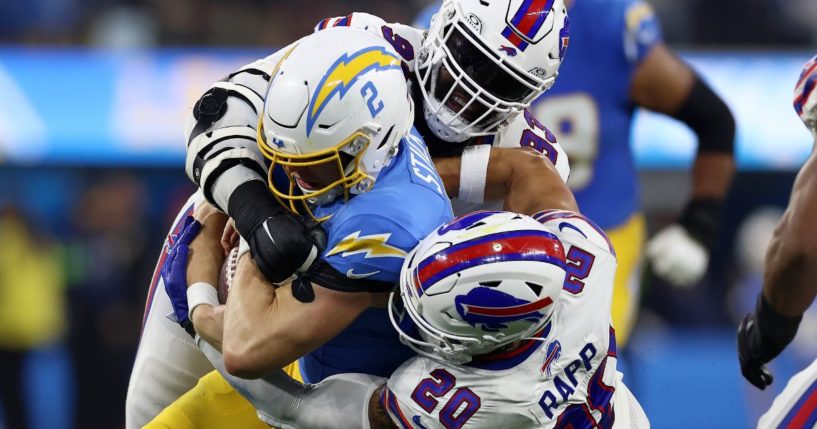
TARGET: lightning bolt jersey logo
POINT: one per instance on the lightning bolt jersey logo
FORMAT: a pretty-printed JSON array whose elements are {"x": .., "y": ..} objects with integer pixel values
[
  {"x": 373, "y": 246},
  {"x": 343, "y": 73}
]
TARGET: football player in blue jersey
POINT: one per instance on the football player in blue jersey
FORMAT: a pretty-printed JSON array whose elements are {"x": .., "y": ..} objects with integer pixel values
[
  {"x": 225, "y": 161},
  {"x": 618, "y": 62},
  {"x": 376, "y": 192}
]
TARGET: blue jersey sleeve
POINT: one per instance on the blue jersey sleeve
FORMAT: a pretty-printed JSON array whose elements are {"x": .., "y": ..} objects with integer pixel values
[
  {"x": 641, "y": 28},
  {"x": 369, "y": 247}
]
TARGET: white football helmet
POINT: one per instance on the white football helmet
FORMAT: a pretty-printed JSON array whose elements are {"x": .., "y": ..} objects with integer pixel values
[
  {"x": 478, "y": 283},
  {"x": 336, "y": 109},
  {"x": 805, "y": 95},
  {"x": 482, "y": 62}
]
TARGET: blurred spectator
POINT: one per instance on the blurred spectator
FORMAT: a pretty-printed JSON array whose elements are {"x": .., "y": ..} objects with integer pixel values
[
  {"x": 32, "y": 309},
  {"x": 111, "y": 264}
]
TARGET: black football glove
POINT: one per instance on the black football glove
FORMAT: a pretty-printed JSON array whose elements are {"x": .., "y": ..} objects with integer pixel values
[
  {"x": 762, "y": 335},
  {"x": 281, "y": 243}
]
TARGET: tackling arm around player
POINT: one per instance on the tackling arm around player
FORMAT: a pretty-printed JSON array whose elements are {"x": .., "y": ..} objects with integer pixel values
[
  {"x": 262, "y": 319},
  {"x": 487, "y": 394},
  {"x": 790, "y": 281}
]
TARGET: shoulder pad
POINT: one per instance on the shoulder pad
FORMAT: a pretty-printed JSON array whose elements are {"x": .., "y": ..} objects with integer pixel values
[
  {"x": 587, "y": 230},
  {"x": 361, "y": 20},
  {"x": 526, "y": 131},
  {"x": 405, "y": 39}
]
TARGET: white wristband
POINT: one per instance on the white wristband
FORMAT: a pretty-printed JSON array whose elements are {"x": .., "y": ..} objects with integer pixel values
[
  {"x": 473, "y": 172},
  {"x": 200, "y": 293}
]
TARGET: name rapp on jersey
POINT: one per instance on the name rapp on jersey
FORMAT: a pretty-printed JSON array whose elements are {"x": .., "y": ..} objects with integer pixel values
[{"x": 570, "y": 373}]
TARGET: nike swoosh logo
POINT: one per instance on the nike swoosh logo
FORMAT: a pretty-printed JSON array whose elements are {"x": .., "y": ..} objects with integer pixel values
[
  {"x": 564, "y": 225},
  {"x": 266, "y": 228},
  {"x": 352, "y": 275},
  {"x": 416, "y": 420}
]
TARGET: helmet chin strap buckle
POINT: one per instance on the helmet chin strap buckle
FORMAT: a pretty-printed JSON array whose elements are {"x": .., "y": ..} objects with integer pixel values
[{"x": 365, "y": 185}]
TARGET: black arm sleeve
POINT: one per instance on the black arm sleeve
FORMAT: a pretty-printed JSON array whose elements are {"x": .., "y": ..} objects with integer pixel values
[
  {"x": 709, "y": 117},
  {"x": 250, "y": 205}
]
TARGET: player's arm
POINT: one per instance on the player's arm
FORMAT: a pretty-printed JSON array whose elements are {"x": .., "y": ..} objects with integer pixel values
[
  {"x": 789, "y": 284},
  {"x": 344, "y": 401},
  {"x": 525, "y": 180},
  {"x": 204, "y": 260},
  {"x": 223, "y": 159},
  {"x": 790, "y": 281},
  {"x": 664, "y": 83},
  {"x": 266, "y": 328}
]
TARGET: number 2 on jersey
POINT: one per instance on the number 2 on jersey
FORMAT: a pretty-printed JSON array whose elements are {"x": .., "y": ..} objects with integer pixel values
[
  {"x": 462, "y": 405},
  {"x": 579, "y": 264}
]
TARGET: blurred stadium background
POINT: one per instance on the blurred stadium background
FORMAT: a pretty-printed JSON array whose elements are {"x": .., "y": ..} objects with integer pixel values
[{"x": 92, "y": 102}]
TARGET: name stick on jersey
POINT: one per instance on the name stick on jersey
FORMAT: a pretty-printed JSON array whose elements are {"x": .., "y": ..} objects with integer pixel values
[{"x": 420, "y": 158}]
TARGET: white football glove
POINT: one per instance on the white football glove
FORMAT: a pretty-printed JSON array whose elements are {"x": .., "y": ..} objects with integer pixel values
[
  {"x": 805, "y": 95},
  {"x": 677, "y": 257}
]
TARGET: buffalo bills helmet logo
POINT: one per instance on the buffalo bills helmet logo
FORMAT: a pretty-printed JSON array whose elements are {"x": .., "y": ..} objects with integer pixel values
[
  {"x": 507, "y": 50},
  {"x": 492, "y": 309}
]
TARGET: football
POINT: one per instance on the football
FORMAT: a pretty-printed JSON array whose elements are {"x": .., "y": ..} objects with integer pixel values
[{"x": 225, "y": 278}]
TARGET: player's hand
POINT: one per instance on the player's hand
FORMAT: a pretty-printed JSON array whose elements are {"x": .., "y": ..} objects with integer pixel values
[
  {"x": 680, "y": 252},
  {"x": 677, "y": 257},
  {"x": 174, "y": 272},
  {"x": 229, "y": 237},
  {"x": 284, "y": 243},
  {"x": 762, "y": 335},
  {"x": 750, "y": 354},
  {"x": 805, "y": 95}
]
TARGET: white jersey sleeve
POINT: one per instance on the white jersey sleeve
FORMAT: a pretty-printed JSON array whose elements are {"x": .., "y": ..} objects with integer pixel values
[
  {"x": 582, "y": 391},
  {"x": 222, "y": 152},
  {"x": 406, "y": 40},
  {"x": 526, "y": 131}
]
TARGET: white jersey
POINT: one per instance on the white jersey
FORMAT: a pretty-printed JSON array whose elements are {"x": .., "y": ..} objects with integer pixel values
[
  {"x": 568, "y": 378},
  {"x": 167, "y": 363},
  {"x": 796, "y": 405}
]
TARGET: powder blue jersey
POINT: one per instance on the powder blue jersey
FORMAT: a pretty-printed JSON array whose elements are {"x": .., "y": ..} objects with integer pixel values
[
  {"x": 589, "y": 107},
  {"x": 368, "y": 238}
]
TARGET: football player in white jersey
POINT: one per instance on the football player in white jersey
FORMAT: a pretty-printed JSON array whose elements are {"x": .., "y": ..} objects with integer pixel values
[
  {"x": 789, "y": 285},
  {"x": 510, "y": 316},
  {"x": 475, "y": 72},
  {"x": 225, "y": 162}
]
